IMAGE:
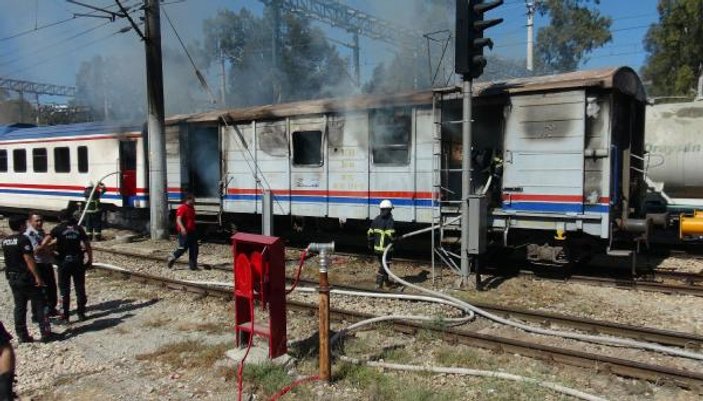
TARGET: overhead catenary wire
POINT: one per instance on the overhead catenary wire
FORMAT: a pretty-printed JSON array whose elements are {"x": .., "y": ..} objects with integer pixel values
[{"x": 198, "y": 74}]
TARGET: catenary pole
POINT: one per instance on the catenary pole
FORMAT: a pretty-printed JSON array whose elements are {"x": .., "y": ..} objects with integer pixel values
[
  {"x": 467, "y": 185},
  {"x": 530, "y": 33},
  {"x": 158, "y": 202}
]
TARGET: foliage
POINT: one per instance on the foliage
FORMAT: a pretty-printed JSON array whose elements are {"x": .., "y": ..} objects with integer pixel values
[
  {"x": 574, "y": 31},
  {"x": 17, "y": 111},
  {"x": 307, "y": 65},
  {"x": 675, "y": 47}
]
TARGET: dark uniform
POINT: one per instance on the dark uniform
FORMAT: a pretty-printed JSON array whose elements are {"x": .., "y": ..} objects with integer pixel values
[
  {"x": 69, "y": 237},
  {"x": 381, "y": 233},
  {"x": 24, "y": 288},
  {"x": 45, "y": 269},
  {"x": 6, "y": 378},
  {"x": 93, "y": 212}
]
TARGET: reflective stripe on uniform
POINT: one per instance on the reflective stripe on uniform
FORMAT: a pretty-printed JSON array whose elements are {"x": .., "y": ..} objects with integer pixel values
[{"x": 382, "y": 240}]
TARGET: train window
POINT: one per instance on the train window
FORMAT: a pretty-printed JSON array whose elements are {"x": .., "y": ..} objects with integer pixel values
[
  {"x": 19, "y": 160},
  {"x": 3, "y": 160},
  {"x": 390, "y": 136},
  {"x": 307, "y": 148},
  {"x": 39, "y": 160},
  {"x": 62, "y": 160},
  {"x": 82, "y": 159}
]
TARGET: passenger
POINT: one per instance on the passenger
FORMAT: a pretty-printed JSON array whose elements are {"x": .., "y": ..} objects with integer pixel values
[
  {"x": 187, "y": 238},
  {"x": 7, "y": 365},
  {"x": 71, "y": 240},
  {"x": 25, "y": 281},
  {"x": 382, "y": 233},
  {"x": 44, "y": 261},
  {"x": 93, "y": 211}
]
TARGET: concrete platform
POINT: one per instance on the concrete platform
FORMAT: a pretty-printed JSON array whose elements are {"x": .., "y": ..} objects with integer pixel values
[{"x": 259, "y": 355}]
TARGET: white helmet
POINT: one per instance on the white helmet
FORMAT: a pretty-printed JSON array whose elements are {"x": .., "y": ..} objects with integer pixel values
[{"x": 385, "y": 204}]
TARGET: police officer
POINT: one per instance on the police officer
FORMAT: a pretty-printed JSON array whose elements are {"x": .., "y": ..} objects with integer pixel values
[
  {"x": 44, "y": 261},
  {"x": 71, "y": 240},
  {"x": 380, "y": 234},
  {"x": 93, "y": 212},
  {"x": 25, "y": 281},
  {"x": 7, "y": 365}
]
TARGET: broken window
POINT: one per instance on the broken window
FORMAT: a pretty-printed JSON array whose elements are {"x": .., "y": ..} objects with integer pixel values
[
  {"x": 390, "y": 136},
  {"x": 272, "y": 141},
  {"x": 307, "y": 148}
]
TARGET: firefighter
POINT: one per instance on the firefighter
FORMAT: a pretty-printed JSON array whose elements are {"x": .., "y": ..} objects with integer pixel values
[
  {"x": 73, "y": 260},
  {"x": 25, "y": 281},
  {"x": 380, "y": 234},
  {"x": 93, "y": 211},
  {"x": 7, "y": 365}
]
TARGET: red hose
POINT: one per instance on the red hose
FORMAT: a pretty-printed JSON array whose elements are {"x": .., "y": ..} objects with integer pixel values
[
  {"x": 291, "y": 386},
  {"x": 300, "y": 269},
  {"x": 240, "y": 369}
]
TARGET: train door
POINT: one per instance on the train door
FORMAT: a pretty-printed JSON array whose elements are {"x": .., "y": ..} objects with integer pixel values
[
  {"x": 543, "y": 162},
  {"x": 128, "y": 171},
  {"x": 203, "y": 167}
]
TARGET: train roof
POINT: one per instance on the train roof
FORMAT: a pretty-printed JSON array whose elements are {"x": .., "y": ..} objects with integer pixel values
[
  {"x": 81, "y": 129},
  {"x": 623, "y": 79}
]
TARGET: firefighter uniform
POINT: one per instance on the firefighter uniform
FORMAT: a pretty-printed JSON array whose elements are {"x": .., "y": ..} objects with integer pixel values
[
  {"x": 24, "y": 286},
  {"x": 380, "y": 234},
  {"x": 93, "y": 212},
  {"x": 70, "y": 239}
]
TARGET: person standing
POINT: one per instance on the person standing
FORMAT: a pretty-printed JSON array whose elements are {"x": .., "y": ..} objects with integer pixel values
[
  {"x": 25, "y": 281},
  {"x": 7, "y": 365},
  {"x": 71, "y": 240},
  {"x": 187, "y": 238},
  {"x": 44, "y": 261},
  {"x": 380, "y": 234},
  {"x": 93, "y": 211}
]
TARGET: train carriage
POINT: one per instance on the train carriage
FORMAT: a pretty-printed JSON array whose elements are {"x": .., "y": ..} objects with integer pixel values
[
  {"x": 557, "y": 160},
  {"x": 47, "y": 168},
  {"x": 557, "y": 156}
]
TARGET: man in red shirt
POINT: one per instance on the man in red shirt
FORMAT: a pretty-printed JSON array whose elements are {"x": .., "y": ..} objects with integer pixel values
[{"x": 187, "y": 240}]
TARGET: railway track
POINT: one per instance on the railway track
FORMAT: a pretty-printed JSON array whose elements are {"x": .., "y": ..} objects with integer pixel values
[
  {"x": 601, "y": 363},
  {"x": 688, "y": 279}
]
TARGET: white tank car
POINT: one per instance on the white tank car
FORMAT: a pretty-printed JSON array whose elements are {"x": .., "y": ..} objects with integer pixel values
[{"x": 674, "y": 142}]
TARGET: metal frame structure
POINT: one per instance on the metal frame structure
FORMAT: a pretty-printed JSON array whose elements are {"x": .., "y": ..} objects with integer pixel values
[{"x": 38, "y": 88}]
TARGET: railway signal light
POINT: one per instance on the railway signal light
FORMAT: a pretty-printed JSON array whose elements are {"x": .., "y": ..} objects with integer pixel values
[{"x": 469, "y": 41}]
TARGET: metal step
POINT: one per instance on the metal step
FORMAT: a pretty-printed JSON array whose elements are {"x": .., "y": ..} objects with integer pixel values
[{"x": 621, "y": 253}]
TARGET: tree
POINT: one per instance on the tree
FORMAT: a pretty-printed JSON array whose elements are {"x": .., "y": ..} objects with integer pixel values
[
  {"x": 675, "y": 47},
  {"x": 574, "y": 31},
  {"x": 308, "y": 66}
]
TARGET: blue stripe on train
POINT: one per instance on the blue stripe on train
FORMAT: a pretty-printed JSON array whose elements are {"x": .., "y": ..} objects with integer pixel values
[{"x": 556, "y": 207}]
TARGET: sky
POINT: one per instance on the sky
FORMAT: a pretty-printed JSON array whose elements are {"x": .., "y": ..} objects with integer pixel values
[{"x": 31, "y": 50}]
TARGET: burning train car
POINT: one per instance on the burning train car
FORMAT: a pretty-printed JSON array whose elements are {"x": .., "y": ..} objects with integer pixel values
[{"x": 558, "y": 160}]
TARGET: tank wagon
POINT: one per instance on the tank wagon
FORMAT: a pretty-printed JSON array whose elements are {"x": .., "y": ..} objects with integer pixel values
[
  {"x": 558, "y": 161},
  {"x": 674, "y": 145}
]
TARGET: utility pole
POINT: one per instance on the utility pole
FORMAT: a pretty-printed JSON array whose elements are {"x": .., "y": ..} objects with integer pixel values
[
  {"x": 223, "y": 78},
  {"x": 275, "y": 40},
  {"x": 469, "y": 61},
  {"x": 357, "y": 65},
  {"x": 530, "y": 32},
  {"x": 158, "y": 202}
]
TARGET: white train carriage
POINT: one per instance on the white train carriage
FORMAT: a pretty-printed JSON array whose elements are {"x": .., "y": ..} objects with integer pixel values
[
  {"x": 47, "y": 168},
  {"x": 563, "y": 154}
]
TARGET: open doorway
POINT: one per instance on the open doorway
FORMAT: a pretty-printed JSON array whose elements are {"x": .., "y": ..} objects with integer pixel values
[{"x": 204, "y": 161}]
